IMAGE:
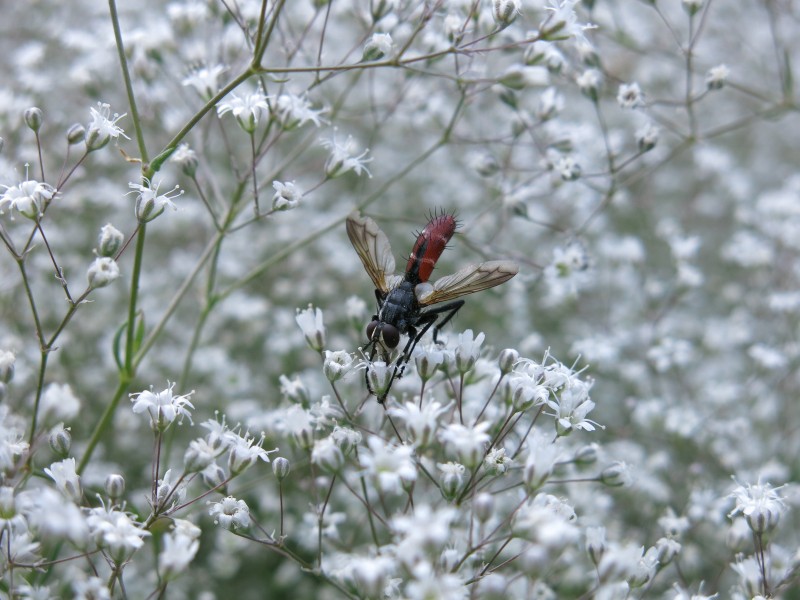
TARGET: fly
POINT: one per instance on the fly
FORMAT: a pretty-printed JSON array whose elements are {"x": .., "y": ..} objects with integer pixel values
[{"x": 405, "y": 302}]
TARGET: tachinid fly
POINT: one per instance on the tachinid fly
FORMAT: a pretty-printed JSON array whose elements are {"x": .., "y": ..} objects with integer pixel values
[{"x": 404, "y": 300}]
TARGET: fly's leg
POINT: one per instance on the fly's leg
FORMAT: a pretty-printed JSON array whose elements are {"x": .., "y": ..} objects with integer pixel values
[{"x": 451, "y": 308}]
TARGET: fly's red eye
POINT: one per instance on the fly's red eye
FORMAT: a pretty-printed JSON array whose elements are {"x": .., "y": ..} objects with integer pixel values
[
  {"x": 391, "y": 337},
  {"x": 371, "y": 329}
]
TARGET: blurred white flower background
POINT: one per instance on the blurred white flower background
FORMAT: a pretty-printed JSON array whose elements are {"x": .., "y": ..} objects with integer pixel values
[{"x": 183, "y": 404}]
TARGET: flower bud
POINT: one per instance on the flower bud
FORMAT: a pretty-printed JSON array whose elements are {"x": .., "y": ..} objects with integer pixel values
[
  {"x": 505, "y": 12},
  {"x": 186, "y": 158},
  {"x": 589, "y": 83},
  {"x": 76, "y": 134},
  {"x": 280, "y": 467},
  {"x": 380, "y": 8},
  {"x": 7, "y": 360},
  {"x": 109, "y": 241},
  {"x": 327, "y": 455},
  {"x": 616, "y": 475},
  {"x": 507, "y": 360},
  {"x": 33, "y": 118},
  {"x": 667, "y": 549},
  {"x": 60, "y": 441},
  {"x": 451, "y": 480},
  {"x": 379, "y": 376},
  {"x": 378, "y": 46},
  {"x": 483, "y": 506},
  {"x": 101, "y": 272},
  {"x": 115, "y": 486},
  {"x": 313, "y": 328},
  {"x": 586, "y": 455},
  {"x": 213, "y": 475}
]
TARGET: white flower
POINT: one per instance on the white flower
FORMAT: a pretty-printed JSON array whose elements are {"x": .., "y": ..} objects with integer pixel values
[
  {"x": 496, "y": 462},
  {"x": 540, "y": 462},
  {"x": 199, "y": 455},
  {"x": 425, "y": 532},
  {"x": 243, "y": 452},
  {"x": 295, "y": 111},
  {"x": 420, "y": 423},
  {"x": 466, "y": 443},
  {"x": 337, "y": 364},
  {"x": 468, "y": 350},
  {"x": 312, "y": 326},
  {"x": 589, "y": 82},
  {"x": 571, "y": 407},
  {"x": 630, "y": 95},
  {"x": 547, "y": 521},
  {"x": 149, "y": 204},
  {"x": 505, "y": 12},
  {"x": 246, "y": 109},
  {"x": 647, "y": 137},
  {"x": 93, "y": 588},
  {"x": 103, "y": 127},
  {"x": 230, "y": 513},
  {"x": 102, "y": 271},
  {"x": 327, "y": 455},
  {"x": 378, "y": 46},
  {"x": 28, "y": 198},
  {"x": 109, "y": 241},
  {"x": 451, "y": 479},
  {"x": 391, "y": 466},
  {"x": 286, "y": 196},
  {"x": 717, "y": 77},
  {"x": 343, "y": 157},
  {"x": 163, "y": 407},
  {"x": 760, "y": 504},
  {"x": 66, "y": 478},
  {"x": 562, "y": 22},
  {"x": 205, "y": 80},
  {"x": 179, "y": 547},
  {"x": 115, "y": 532}
]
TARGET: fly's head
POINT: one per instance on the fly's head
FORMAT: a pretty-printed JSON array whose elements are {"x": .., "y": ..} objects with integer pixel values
[{"x": 382, "y": 334}]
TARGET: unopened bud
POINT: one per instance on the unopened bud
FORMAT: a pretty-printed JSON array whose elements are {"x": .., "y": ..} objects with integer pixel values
[
  {"x": 60, "y": 441},
  {"x": 109, "y": 241},
  {"x": 33, "y": 118},
  {"x": 280, "y": 467},
  {"x": 115, "y": 486},
  {"x": 76, "y": 134},
  {"x": 508, "y": 358}
]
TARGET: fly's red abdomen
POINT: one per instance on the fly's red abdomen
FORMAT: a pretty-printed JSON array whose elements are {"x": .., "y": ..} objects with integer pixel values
[{"x": 429, "y": 247}]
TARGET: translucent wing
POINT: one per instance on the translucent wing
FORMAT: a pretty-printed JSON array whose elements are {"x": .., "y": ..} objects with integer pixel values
[
  {"x": 373, "y": 249},
  {"x": 468, "y": 280}
]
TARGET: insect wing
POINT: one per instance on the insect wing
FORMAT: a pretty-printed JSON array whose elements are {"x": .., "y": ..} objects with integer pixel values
[
  {"x": 373, "y": 249},
  {"x": 468, "y": 280}
]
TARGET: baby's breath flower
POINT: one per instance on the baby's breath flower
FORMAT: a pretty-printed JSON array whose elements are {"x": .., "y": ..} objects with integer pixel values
[
  {"x": 420, "y": 423},
  {"x": 60, "y": 440},
  {"x": 33, "y": 118},
  {"x": 109, "y": 241},
  {"x": 589, "y": 83},
  {"x": 692, "y": 6},
  {"x": 496, "y": 462},
  {"x": 392, "y": 467},
  {"x": 115, "y": 532},
  {"x": 568, "y": 168},
  {"x": 312, "y": 326},
  {"x": 230, "y": 513},
  {"x": 149, "y": 204},
  {"x": 647, "y": 137},
  {"x": 428, "y": 359},
  {"x": 7, "y": 360},
  {"x": 717, "y": 77},
  {"x": 280, "y": 468},
  {"x": 205, "y": 80},
  {"x": 542, "y": 457},
  {"x": 29, "y": 198},
  {"x": 114, "y": 486},
  {"x": 179, "y": 548},
  {"x": 343, "y": 159},
  {"x": 286, "y": 196},
  {"x": 562, "y": 23},
  {"x": 505, "y": 11},
  {"x": 451, "y": 480},
  {"x": 76, "y": 134},
  {"x": 595, "y": 543},
  {"x": 379, "y": 375},
  {"x": 103, "y": 128},
  {"x": 630, "y": 95},
  {"x": 294, "y": 390},
  {"x": 247, "y": 109},
  {"x": 103, "y": 271},
  {"x": 483, "y": 505},
  {"x": 468, "y": 350},
  {"x": 295, "y": 111},
  {"x": 66, "y": 479},
  {"x": 378, "y": 46},
  {"x": 163, "y": 407},
  {"x": 617, "y": 474},
  {"x": 760, "y": 504},
  {"x": 327, "y": 455},
  {"x": 244, "y": 452},
  {"x": 186, "y": 159},
  {"x": 466, "y": 443},
  {"x": 199, "y": 455}
]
